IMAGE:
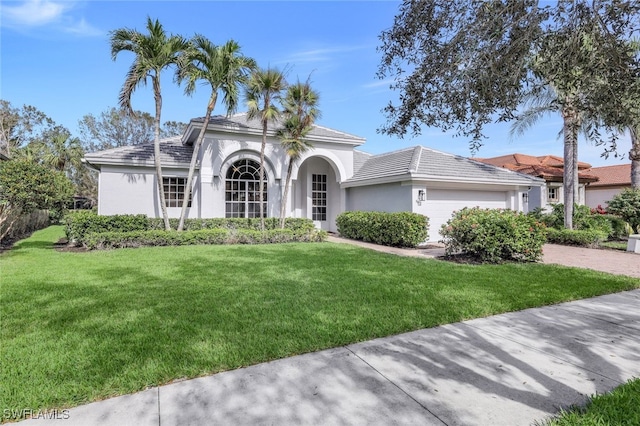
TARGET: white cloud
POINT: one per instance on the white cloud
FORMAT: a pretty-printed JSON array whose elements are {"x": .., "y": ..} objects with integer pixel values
[
  {"x": 48, "y": 15},
  {"x": 34, "y": 12}
]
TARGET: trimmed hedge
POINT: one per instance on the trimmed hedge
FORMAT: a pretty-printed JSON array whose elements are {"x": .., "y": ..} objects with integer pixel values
[
  {"x": 494, "y": 235},
  {"x": 403, "y": 229},
  {"x": 294, "y": 224},
  {"x": 94, "y": 231},
  {"x": 80, "y": 224},
  {"x": 154, "y": 237},
  {"x": 576, "y": 237}
]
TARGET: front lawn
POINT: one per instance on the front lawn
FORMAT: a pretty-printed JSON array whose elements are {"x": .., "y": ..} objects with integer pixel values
[{"x": 78, "y": 327}]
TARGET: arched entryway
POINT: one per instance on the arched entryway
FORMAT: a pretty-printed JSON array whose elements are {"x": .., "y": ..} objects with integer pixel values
[
  {"x": 242, "y": 190},
  {"x": 317, "y": 194}
]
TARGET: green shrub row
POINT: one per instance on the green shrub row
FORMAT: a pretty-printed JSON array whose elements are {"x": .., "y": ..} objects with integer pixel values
[
  {"x": 155, "y": 237},
  {"x": 576, "y": 237},
  {"x": 402, "y": 229},
  {"x": 494, "y": 235},
  {"x": 79, "y": 225},
  {"x": 294, "y": 224}
]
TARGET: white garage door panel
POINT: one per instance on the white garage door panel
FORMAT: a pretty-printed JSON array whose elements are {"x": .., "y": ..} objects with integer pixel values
[{"x": 441, "y": 203}]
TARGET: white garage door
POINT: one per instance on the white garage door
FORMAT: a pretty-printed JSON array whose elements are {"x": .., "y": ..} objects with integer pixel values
[{"x": 441, "y": 203}]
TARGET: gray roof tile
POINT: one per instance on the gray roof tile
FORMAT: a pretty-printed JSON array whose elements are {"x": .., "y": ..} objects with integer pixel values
[
  {"x": 172, "y": 152},
  {"x": 420, "y": 162},
  {"x": 240, "y": 122}
]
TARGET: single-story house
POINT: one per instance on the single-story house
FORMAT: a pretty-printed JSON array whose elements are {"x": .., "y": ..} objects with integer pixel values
[
  {"x": 332, "y": 177},
  {"x": 547, "y": 167},
  {"x": 611, "y": 181}
]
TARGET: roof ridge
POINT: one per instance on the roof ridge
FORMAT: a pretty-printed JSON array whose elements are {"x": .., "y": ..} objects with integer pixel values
[{"x": 415, "y": 159}]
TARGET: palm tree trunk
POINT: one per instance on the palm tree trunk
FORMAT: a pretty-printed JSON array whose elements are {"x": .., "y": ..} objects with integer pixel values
[
  {"x": 570, "y": 132},
  {"x": 285, "y": 197},
  {"x": 634, "y": 155},
  {"x": 194, "y": 159},
  {"x": 262, "y": 148},
  {"x": 156, "y": 151}
]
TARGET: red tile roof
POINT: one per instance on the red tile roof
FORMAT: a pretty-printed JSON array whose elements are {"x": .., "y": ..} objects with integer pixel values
[
  {"x": 619, "y": 175},
  {"x": 548, "y": 167}
]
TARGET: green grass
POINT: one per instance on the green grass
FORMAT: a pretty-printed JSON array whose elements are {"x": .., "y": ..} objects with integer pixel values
[
  {"x": 617, "y": 245},
  {"x": 620, "y": 407},
  {"x": 78, "y": 327}
]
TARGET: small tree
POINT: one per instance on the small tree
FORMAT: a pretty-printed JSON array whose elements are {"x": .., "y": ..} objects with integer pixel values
[
  {"x": 26, "y": 186},
  {"x": 627, "y": 205}
]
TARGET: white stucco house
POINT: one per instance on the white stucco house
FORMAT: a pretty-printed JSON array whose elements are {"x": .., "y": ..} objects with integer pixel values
[{"x": 333, "y": 177}]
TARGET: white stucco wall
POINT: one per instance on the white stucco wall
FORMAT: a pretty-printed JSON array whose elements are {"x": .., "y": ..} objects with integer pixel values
[
  {"x": 128, "y": 190},
  {"x": 388, "y": 197}
]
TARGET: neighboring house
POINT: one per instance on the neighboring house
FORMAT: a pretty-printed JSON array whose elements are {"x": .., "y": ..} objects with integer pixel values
[
  {"x": 329, "y": 179},
  {"x": 547, "y": 167},
  {"x": 611, "y": 181}
]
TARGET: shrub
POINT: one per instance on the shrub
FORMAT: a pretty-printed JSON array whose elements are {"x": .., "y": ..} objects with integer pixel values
[
  {"x": 26, "y": 186},
  {"x": 294, "y": 224},
  {"x": 627, "y": 205},
  {"x": 156, "y": 237},
  {"x": 493, "y": 235},
  {"x": 79, "y": 224},
  {"x": 576, "y": 237},
  {"x": 403, "y": 229}
]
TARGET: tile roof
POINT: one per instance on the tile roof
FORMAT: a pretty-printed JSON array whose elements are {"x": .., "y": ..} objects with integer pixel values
[
  {"x": 548, "y": 167},
  {"x": 425, "y": 163},
  {"x": 172, "y": 153},
  {"x": 514, "y": 160},
  {"x": 240, "y": 123},
  {"x": 618, "y": 175}
]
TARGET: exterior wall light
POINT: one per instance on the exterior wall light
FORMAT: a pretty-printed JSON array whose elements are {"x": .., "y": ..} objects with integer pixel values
[{"x": 421, "y": 195}]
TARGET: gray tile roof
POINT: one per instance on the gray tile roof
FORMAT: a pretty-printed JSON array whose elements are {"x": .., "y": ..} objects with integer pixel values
[
  {"x": 359, "y": 158},
  {"x": 172, "y": 153},
  {"x": 424, "y": 163},
  {"x": 240, "y": 123}
]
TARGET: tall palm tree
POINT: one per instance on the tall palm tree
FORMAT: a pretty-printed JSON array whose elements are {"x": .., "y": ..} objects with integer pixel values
[
  {"x": 300, "y": 110},
  {"x": 224, "y": 69},
  {"x": 549, "y": 101},
  {"x": 153, "y": 52},
  {"x": 264, "y": 88}
]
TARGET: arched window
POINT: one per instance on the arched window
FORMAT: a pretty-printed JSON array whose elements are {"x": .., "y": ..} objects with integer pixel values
[{"x": 242, "y": 190}]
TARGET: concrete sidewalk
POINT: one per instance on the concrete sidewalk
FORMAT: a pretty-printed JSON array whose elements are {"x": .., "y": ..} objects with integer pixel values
[{"x": 510, "y": 369}]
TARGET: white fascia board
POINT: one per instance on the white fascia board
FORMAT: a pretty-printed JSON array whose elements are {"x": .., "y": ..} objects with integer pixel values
[
  {"x": 116, "y": 162},
  {"x": 425, "y": 179}
]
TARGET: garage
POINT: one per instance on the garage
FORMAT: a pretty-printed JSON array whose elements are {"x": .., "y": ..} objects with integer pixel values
[{"x": 441, "y": 203}]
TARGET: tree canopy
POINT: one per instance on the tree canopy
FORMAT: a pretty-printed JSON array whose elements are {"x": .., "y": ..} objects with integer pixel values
[{"x": 460, "y": 65}]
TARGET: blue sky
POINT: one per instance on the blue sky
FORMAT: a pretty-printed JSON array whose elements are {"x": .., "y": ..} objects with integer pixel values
[{"x": 55, "y": 56}]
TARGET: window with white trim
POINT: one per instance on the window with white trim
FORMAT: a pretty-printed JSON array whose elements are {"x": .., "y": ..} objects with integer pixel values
[
  {"x": 174, "y": 189},
  {"x": 319, "y": 197},
  {"x": 242, "y": 190},
  {"x": 552, "y": 194}
]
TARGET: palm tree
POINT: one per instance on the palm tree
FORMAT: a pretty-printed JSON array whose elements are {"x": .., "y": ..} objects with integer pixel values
[
  {"x": 154, "y": 52},
  {"x": 300, "y": 112},
  {"x": 549, "y": 101},
  {"x": 263, "y": 90},
  {"x": 63, "y": 152},
  {"x": 224, "y": 69}
]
